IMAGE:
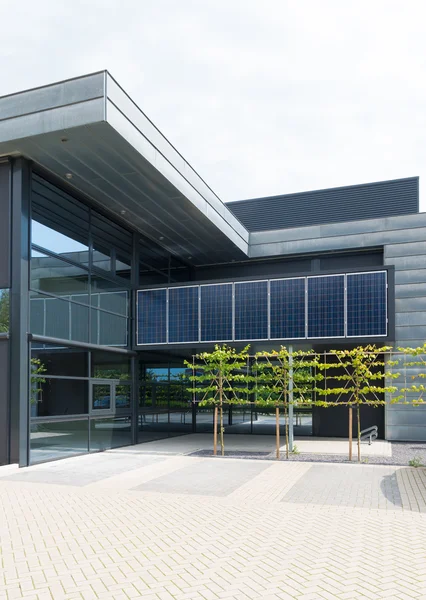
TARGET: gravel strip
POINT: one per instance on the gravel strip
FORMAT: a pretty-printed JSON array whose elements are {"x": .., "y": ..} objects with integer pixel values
[{"x": 402, "y": 453}]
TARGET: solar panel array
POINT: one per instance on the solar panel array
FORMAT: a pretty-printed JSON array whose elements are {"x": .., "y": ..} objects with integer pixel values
[
  {"x": 366, "y": 304},
  {"x": 183, "y": 315},
  {"x": 152, "y": 317},
  {"x": 326, "y": 306},
  {"x": 251, "y": 310},
  {"x": 216, "y": 312},
  {"x": 288, "y": 308}
]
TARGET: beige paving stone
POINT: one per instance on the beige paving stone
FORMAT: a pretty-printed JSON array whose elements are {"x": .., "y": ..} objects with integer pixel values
[{"x": 272, "y": 537}]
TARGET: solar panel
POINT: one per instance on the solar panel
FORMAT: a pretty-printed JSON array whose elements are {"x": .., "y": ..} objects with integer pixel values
[
  {"x": 251, "y": 310},
  {"x": 152, "y": 316},
  {"x": 183, "y": 314},
  {"x": 326, "y": 306},
  {"x": 216, "y": 312},
  {"x": 287, "y": 298},
  {"x": 367, "y": 311}
]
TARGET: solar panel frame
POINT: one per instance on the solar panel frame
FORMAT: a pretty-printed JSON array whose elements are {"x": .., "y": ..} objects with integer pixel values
[
  {"x": 304, "y": 305},
  {"x": 185, "y": 287},
  {"x": 269, "y": 283},
  {"x": 373, "y": 335},
  {"x": 324, "y": 337},
  {"x": 260, "y": 339},
  {"x": 140, "y": 292},
  {"x": 231, "y": 285}
]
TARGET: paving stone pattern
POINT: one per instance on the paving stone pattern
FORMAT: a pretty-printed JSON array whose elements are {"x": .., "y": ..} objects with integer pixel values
[{"x": 269, "y": 530}]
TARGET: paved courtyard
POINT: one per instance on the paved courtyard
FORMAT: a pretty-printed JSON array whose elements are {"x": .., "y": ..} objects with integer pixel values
[{"x": 126, "y": 524}]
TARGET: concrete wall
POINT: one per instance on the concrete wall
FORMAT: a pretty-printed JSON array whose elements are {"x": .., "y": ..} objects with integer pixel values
[{"x": 403, "y": 240}]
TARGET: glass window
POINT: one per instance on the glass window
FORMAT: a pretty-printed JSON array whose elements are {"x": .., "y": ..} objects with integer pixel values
[
  {"x": 107, "y": 365},
  {"x": 59, "y": 318},
  {"x": 109, "y": 295},
  {"x": 55, "y": 241},
  {"x": 108, "y": 329},
  {"x": 49, "y": 441},
  {"x": 111, "y": 432},
  {"x": 60, "y": 222},
  {"x": 59, "y": 360},
  {"x": 55, "y": 276},
  {"x": 4, "y": 311},
  {"x": 51, "y": 397},
  {"x": 157, "y": 373}
]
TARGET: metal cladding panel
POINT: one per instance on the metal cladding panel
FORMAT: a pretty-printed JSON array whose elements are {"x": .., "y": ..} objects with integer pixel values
[
  {"x": 5, "y": 224},
  {"x": 4, "y": 402},
  {"x": 334, "y": 205}
]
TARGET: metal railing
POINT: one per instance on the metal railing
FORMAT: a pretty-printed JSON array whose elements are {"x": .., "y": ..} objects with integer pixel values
[{"x": 371, "y": 433}]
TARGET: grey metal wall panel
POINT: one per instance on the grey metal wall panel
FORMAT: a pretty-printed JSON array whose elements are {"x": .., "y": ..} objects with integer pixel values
[
  {"x": 410, "y": 319},
  {"x": 409, "y": 249},
  {"x": 412, "y": 290},
  {"x": 409, "y": 304},
  {"x": 335, "y": 205},
  {"x": 5, "y": 190},
  {"x": 410, "y": 276},
  {"x": 407, "y": 433},
  {"x": 4, "y": 402},
  {"x": 409, "y": 262}
]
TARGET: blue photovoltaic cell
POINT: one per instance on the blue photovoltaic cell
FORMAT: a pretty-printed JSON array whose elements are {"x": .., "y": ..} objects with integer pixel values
[
  {"x": 152, "y": 317},
  {"x": 287, "y": 308},
  {"x": 216, "y": 313},
  {"x": 183, "y": 314},
  {"x": 326, "y": 306},
  {"x": 251, "y": 310},
  {"x": 367, "y": 300}
]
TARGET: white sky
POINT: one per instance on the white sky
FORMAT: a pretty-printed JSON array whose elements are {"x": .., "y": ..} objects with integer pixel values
[{"x": 262, "y": 97}]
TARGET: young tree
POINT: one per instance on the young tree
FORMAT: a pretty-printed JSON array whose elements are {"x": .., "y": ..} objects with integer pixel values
[
  {"x": 285, "y": 378},
  {"x": 360, "y": 376},
  {"x": 219, "y": 378}
]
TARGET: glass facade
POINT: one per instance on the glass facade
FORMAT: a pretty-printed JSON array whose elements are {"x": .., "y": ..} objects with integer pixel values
[{"x": 80, "y": 291}]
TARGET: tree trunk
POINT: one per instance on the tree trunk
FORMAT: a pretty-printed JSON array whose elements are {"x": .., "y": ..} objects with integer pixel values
[
  {"x": 222, "y": 442},
  {"x": 350, "y": 433},
  {"x": 215, "y": 432},
  {"x": 286, "y": 430},
  {"x": 277, "y": 430},
  {"x": 359, "y": 431}
]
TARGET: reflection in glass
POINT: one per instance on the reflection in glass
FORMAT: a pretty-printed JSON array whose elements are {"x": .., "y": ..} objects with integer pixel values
[
  {"x": 58, "y": 242},
  {"x": 107, "y": 365},
  {"x": 58, "y": 360},
  {"x": 112, "y": 432},
  {"x": 50, "y": 397},
  {"x": 49, "y": 441},
  {"x": 55, "y": 276},
  {"x": 122, "y": 396},
  {"x": 101, "y": 396},
  {"x": 4, "y": 311}
]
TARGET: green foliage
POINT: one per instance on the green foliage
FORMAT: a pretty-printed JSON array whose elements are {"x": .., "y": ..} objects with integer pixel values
[
  {"x": 220, "y": 377},
  {"x": 415, "y": 462},
  {"x": 4, "y": 311},
  {"x": 36, "y": 379}
]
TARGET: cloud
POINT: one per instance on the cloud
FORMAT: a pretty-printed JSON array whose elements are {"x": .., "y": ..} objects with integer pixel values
[{"x": 262, "y": 96}]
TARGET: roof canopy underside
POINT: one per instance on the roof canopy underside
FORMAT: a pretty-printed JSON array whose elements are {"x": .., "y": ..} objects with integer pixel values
[{"x": 89, "y": 128}]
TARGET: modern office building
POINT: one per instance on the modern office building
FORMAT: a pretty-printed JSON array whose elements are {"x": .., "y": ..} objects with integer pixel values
[{"x": 118, "y": 262}]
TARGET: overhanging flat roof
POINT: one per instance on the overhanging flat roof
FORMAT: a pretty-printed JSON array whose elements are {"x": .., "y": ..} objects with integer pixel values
[{"x": 89, "y": 127}]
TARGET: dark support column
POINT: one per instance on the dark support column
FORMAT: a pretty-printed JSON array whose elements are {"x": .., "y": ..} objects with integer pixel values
[
  {"x": 5, "y": 201},
  {"x": 133, "y": 325},
  {"x": 19, "y": 314}
]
